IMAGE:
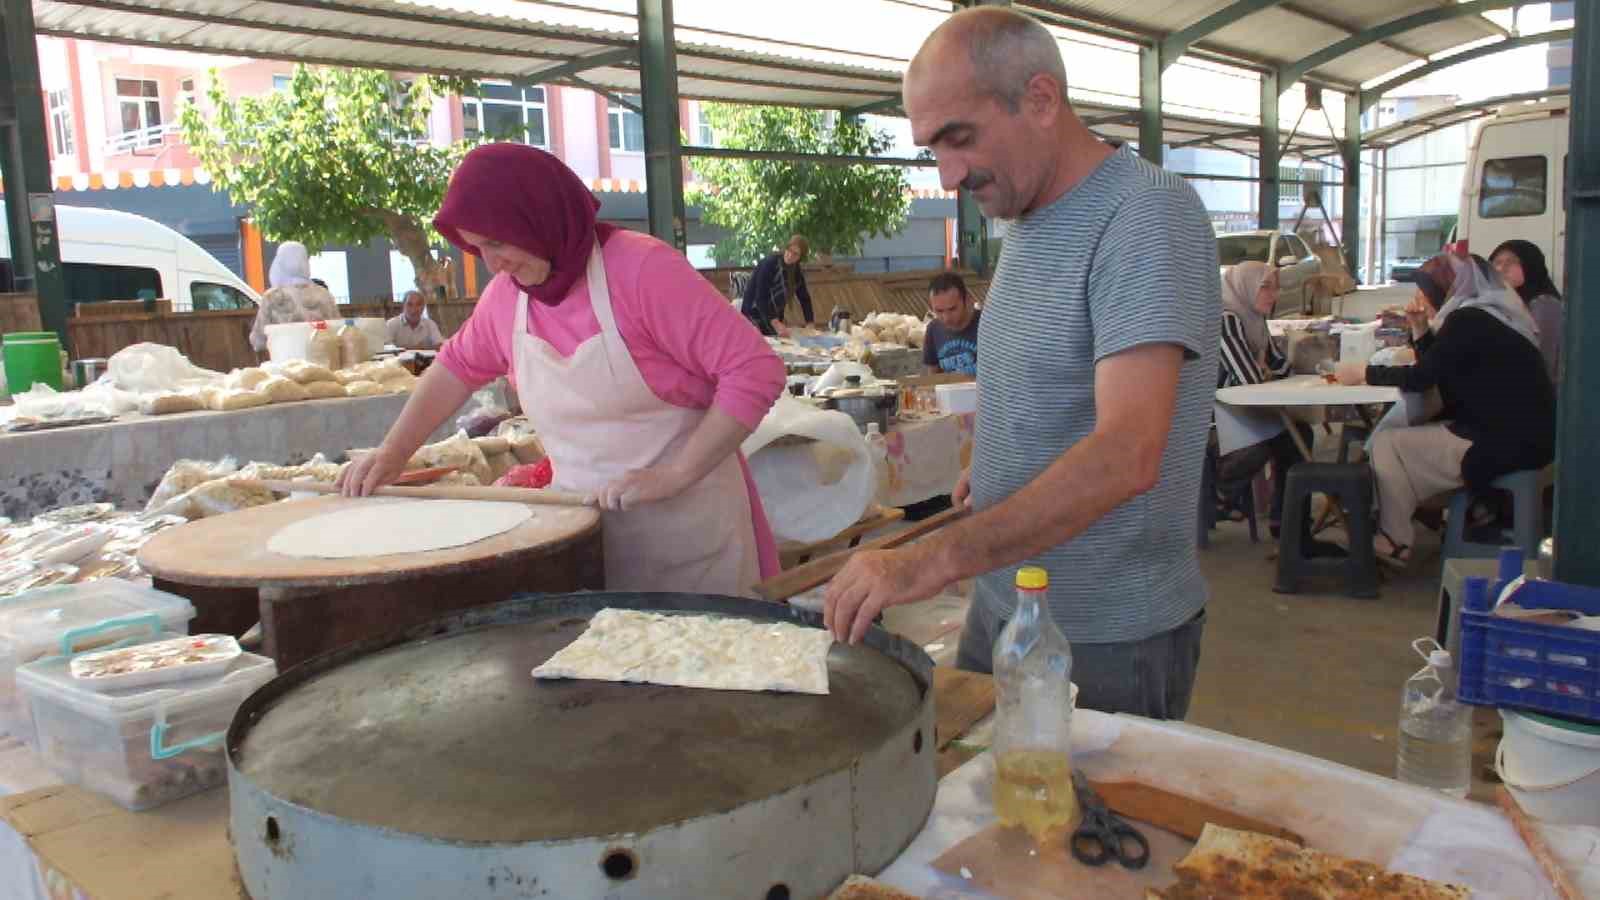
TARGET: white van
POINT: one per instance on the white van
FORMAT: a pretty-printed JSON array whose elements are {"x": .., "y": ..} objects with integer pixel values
[
  {"x": 1515, "y": 183},
  {"x": 111, "y": 255}
]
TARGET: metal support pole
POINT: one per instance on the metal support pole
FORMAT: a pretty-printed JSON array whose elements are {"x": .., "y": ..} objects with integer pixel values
[
  {"x": 1577, "y": 528},
  {"x": 1150, "y": 135},
  {"x": 1269, "y": 151},
  {"x": 29, "y": 201},
  {"x": 1350, "y": 223},
  {"x": 1383, "y": 225},
  {"x": 973, "y": 230},
  {"x": 663, "y": 157}
]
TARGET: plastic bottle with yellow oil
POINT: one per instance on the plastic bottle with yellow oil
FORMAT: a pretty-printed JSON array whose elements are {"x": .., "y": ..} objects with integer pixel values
[{"x": 1033, "y": 719}]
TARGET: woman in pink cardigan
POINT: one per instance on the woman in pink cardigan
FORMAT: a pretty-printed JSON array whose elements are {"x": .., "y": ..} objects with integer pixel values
[{"x": 641, "y": 380}]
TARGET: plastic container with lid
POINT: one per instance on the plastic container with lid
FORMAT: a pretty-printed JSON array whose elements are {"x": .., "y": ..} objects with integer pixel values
[
  {"x": 141, "y": 747},
  {"x": 92, "y": 616}
]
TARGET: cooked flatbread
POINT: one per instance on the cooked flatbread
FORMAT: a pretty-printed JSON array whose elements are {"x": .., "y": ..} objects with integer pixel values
[
  {"x": 860, "y": 887},
  {"x": 1229, "y": 863},
  {"x": 714, "y": 652}
]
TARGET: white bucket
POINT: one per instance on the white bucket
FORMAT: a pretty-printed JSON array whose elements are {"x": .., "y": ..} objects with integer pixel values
[
  {"x": 289, "y": 340},
  {"x": 1553, "y": 770}
]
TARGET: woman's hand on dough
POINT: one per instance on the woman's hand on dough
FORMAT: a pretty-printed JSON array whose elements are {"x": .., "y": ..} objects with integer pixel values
[
  {"x": 1351, "y": 372},
  {"x": 641, "y": 486},
  {"x": 372, "y": 471}
]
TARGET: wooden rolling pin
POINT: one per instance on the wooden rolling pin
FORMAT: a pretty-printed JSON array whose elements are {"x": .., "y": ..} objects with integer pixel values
[
  {"x": 1528, "y": 830},
  {"x": 805, "y": 577},
  {"x": 541, "y": 496}
]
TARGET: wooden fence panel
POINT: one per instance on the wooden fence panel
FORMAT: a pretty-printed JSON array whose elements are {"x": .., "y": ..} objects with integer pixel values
[{"x": 19, "y": 312}]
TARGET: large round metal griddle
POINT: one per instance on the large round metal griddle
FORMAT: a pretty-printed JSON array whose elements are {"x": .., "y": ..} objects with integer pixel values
[{"x": 432, "y": 764}]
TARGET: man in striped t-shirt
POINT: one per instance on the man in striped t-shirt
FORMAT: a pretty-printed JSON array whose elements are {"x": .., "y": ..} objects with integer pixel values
[{"x": 1095, "y": 383}]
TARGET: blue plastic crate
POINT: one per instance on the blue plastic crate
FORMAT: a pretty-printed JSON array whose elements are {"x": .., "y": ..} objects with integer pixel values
[{"x": 1546, "y": 668}]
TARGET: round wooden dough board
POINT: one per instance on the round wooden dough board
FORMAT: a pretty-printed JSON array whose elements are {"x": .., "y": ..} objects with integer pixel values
[{"x": 231, "y": 550}]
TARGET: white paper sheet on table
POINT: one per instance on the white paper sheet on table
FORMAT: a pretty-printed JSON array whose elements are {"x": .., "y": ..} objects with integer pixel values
[{"x": 811, "y": 491}]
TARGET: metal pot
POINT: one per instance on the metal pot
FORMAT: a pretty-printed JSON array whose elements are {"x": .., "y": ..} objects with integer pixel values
[
  {"x": 864, "y": 409},
  {"x": 85, "y": 371}
]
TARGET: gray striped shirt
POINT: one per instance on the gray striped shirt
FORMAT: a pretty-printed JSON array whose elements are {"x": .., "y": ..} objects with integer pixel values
[{"x": 1126, "y": 257}]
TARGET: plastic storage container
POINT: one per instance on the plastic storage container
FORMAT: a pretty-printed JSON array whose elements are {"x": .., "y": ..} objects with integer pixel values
[
  {"x": 955, "y": 399},
  {"x": 92, "y": 616},
  {"x": 1546, "y": 668},
  {"x": 1552, "y": 767},
  {"x": 31, "y": 357},
  {"x": 141, "y": 747}
]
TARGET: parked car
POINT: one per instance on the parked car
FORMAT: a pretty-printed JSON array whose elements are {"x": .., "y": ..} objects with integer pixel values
[
  {"x": 111, "y": 255},
  {"x": 1288, "y": 252}
]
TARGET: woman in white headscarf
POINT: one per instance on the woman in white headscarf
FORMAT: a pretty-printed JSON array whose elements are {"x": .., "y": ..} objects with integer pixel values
[
  {"x": 293, "y": 296},
  {"x": 1478, "y": 345},
  {"x": 1249, "y": 293}
]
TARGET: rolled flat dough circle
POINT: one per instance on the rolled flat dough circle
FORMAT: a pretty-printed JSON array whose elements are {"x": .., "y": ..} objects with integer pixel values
[{"x": 382, "y": 528}]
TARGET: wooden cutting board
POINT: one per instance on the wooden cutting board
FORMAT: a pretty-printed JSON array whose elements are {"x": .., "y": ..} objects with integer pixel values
[{"x": 961, "y": 700}]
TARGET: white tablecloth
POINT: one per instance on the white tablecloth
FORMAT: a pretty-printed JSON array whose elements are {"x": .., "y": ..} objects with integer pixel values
[
  {"x": 925, "y": 456},
  {"x": 1249, "y": 413}
]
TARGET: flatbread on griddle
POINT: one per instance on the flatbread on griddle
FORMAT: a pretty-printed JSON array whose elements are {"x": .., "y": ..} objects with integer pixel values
[{"x": 1229, "y": 863}]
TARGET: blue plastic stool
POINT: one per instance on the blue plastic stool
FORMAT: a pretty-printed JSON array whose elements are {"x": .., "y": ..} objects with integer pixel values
[{"x": 1526, "y": 525}]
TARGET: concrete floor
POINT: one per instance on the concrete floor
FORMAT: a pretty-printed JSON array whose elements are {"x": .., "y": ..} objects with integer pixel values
[{"x": 1317, "y": 672}]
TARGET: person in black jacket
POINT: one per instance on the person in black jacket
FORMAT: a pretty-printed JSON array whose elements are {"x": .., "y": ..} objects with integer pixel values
[
  {"x": 1477, "y": 344},
  {"x": 777, "y": 280}
]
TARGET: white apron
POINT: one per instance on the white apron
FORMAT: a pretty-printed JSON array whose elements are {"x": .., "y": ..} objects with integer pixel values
[{"x": 598, "y": 420}]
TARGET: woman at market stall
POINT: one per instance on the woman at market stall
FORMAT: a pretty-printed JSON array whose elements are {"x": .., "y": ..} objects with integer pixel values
[
  {"x": 294, "y": 296},
  {"x": 1478, "y": 345},
  {"x": 640, "y": 379},
  {"x": 1521, "y": 265},
  {"x": 1249, "y": 293},
  {"x": 776, "y": 281}
]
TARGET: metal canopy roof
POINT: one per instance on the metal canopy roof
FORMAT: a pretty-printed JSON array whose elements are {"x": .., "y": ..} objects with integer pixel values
[
  {"x": 1427, "y": 123},
  {"x": 1277, "y": 35}
]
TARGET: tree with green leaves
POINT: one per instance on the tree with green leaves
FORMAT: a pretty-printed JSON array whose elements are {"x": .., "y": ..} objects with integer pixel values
[
  {"x": 340, "y": 157},
  {"x": 762, "y": 202}
]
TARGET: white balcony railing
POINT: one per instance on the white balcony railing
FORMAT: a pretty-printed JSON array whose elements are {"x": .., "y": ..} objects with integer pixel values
[{"x": 134, "y": 141}]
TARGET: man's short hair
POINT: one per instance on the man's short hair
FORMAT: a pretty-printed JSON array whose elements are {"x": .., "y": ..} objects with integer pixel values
[
  {"x": 945, "y": 281},
  {"x": 410, "y": 293},
  {"x": 1007, "y": 51}
]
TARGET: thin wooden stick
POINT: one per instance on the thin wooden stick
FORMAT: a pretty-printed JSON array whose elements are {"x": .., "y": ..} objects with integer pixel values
[
  {"x": 803, "y": 578},
  {"x": 439, "y": 492},
  {"x": 1530, "y": 835}
]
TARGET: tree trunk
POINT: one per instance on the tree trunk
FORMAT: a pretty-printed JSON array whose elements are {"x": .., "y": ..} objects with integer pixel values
[{"x": 412, "y": 242}]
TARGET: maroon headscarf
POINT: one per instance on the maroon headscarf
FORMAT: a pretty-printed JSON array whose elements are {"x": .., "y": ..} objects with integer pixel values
[{"x": 523, "y": 196}]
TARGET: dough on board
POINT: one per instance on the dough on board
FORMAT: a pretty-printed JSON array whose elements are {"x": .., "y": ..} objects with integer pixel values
[
  {"x": 715, "y": 652},
  {"x": 379, "y": 527}
]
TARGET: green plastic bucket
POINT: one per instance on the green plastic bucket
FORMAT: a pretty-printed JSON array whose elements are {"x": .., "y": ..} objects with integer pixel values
[{"x": 31, "y": 357}]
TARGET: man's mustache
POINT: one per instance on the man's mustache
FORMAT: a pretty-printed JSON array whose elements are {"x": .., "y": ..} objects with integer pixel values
[{"x": 977, "y": 179}]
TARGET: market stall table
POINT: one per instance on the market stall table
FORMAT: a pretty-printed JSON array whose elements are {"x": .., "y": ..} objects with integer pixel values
[
  {"x": 308, "y": 606},
  {"x": 122, "y": 461},
  {"x": 925, "y": 455},
  {"x": 1240, "y": 425}
]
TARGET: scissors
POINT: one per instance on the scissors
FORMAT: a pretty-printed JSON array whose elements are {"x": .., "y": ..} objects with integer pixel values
[{"x": 1103, "y": 835}]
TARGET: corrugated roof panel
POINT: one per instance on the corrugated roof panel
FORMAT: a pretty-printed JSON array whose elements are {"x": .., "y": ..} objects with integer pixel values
[{"x": 1276, "y": 34}]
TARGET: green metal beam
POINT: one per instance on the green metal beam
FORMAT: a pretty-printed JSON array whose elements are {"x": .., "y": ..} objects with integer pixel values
[
  {"x": 821, "y": 159},
  {"x": 1294, "y": 71},
  {"x": 1577, "y": 527},
  {"x": 972, "y": 234},
  {"x": 1268, "y": 196},
  {"x": 887, "y": 104},
  {"x": 1350, "y": 217},
  {"x": 1176, "y": 44},
  {"x": 1150, "y": 131},
  {"x": 29, "y": 199},
  {"x": 605, "y": 92},
  {"x": 1369, "y": 97},
  {"x": 582, "y": 64},
  {"x": 663, "y": 157}
]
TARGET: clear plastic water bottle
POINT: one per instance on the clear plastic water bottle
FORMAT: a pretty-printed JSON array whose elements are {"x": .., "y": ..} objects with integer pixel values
[
  {"x": 1435, "y": 728},
  {"x": 1033, "y": 719}
]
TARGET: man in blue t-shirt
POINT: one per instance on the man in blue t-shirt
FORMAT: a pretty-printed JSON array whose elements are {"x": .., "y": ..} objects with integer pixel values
[{"x": 952, "y": 341}]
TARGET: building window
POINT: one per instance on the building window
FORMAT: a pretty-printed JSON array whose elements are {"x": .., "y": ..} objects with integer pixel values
[
  {"x": 506, "y": 112},
  {"x": 139, "y": 101},
  {"x": 1288, "y": 184},
  {"x": 186, "y": 94},
  {"x": 626, "y": 126},
  {"x": 704, "y": 134},
  {"x": 1513, "y": 186},
  {"x": 61, "y": 122},
  {"x": 281, "y": 82}
]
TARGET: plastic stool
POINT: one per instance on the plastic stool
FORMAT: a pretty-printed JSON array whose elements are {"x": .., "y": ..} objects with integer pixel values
[
  {"x": 1352, "y": 485},
  {"x": 1526, "y": 524},
  {"x": 1242, "y": 499}
]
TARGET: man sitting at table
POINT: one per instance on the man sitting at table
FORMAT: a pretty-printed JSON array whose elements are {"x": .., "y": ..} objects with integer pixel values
[
  {"x": 411, "y": 330},
  {"x": 951, "y": 344}
]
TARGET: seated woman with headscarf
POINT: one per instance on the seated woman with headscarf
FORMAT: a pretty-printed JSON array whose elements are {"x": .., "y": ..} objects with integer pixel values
[
  {"x": 1249, "y": 293},
  {"x": 1521, "y": 267},
  {"x": 1477, "y": 344},
  {"x": 293, "y": 297}
]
